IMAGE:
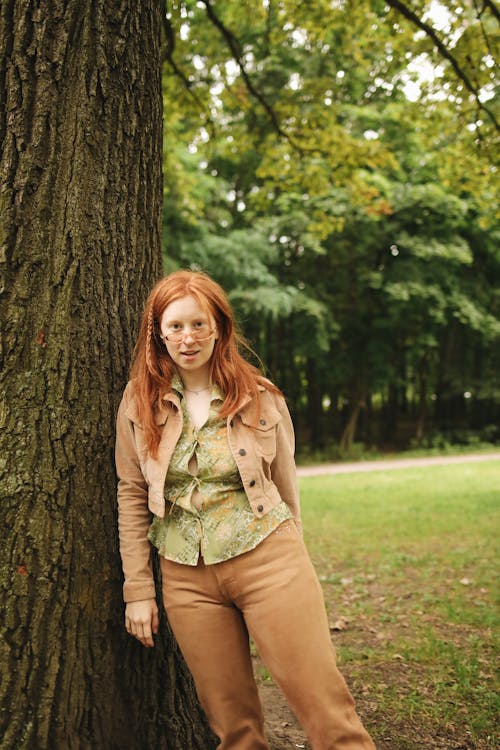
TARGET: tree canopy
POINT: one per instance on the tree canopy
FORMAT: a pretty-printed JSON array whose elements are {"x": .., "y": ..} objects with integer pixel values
[{"x": 332, "y": 165}]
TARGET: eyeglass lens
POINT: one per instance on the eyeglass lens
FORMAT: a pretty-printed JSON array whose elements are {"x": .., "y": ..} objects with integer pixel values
[{"x": 196, "y": 335}]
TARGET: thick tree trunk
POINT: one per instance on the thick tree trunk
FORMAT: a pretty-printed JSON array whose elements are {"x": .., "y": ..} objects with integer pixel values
[{"x": 80, "y": 208}]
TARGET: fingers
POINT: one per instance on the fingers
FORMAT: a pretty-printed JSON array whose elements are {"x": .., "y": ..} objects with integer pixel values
[
  {"x": 142, "y": 623},
  {"x": 142, "y": 631},
  {"x": 155, "y": 621},
  {"x": 147, "y": 637}
]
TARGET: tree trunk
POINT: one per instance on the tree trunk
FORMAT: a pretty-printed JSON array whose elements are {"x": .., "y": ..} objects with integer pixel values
[
  {"x": 80, "y": 209},
  {"x": 314, "y": 405},
  {"x": 349, "y": 431},
  {"x": 390, "y": 414},
  {"x": 422, "y": 409}
]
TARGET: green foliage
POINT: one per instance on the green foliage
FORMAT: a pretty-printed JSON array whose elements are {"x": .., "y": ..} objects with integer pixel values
[{"x": 354, "y": 228}]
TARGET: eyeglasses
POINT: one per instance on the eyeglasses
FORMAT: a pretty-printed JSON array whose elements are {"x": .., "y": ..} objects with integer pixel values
[{"x": 198, "y": 335}]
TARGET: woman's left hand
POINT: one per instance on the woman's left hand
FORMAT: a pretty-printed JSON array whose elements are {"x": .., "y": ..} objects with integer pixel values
[{"x": 141, "y": 620}]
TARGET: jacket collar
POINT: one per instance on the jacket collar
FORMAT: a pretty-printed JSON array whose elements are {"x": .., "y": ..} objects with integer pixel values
[
  {"x": 165, "y": 403},
  {"x": 246, "y": 402},
  {"x": 172, "y": 399}
]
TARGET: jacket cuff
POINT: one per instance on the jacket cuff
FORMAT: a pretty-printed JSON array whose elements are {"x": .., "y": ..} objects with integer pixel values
[{"x": 138, "y": 591}]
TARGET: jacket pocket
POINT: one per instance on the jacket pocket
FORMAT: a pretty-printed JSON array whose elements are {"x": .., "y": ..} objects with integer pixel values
[{"x": 263, "y": 432}]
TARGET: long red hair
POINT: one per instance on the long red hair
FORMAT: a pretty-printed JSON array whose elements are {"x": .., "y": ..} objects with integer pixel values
[{"x": 152, "y": 368}]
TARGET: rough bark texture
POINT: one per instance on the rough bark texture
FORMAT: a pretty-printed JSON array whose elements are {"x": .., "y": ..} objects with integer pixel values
[{"x": 80, "y": 207}]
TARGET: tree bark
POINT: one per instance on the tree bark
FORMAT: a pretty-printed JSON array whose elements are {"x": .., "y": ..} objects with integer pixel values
[{"x": 80, "y": 210}]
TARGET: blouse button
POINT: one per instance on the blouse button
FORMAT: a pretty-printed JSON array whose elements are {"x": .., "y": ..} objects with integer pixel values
[
  {"x": 262, "y": 422},
  {"x": 260, "y": 508},
  {"x": 242, "y": 452},
  {"x": 252, "y": 483}
]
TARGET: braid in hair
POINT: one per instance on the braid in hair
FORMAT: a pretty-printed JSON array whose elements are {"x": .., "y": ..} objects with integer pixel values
[{"x": 149, "y": 336}]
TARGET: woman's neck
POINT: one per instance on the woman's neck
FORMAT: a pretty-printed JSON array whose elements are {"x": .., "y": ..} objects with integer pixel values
[{"x": 195, "y": 382}]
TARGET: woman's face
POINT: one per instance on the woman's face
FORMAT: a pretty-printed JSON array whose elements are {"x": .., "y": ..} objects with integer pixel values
[{"x": 195, "y": 328}]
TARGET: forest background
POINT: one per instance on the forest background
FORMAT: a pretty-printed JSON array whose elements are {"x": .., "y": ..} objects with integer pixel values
[{"x": 332, "y": 165}]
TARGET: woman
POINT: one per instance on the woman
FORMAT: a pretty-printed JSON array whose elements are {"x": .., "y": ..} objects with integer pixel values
[{"x": 205, "y": 444}]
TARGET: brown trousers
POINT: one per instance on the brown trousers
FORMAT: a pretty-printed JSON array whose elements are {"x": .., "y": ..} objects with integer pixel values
[{"x": 271, "y": 592}]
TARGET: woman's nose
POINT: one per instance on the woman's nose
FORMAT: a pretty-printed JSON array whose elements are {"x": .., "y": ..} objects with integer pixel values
[{"x": 188, "y": 335}]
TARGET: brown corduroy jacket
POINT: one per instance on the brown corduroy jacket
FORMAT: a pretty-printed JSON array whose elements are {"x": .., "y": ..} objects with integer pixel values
[{"x": 262, "y": 442}]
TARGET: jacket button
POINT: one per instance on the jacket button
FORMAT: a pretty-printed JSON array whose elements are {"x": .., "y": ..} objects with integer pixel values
[
  {"x": 260, "y": 508},
  {"x": 262, "y": 422},
  {"x": 252, "y": 483},
  {"x": 231, "y": 423},
  {"x": 242, "y": 452}
]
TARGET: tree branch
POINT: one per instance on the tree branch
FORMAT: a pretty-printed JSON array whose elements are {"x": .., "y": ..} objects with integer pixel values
[
  {"x": 168, "y": 56},
  {"x": 492, "y": 7},
  {"x": 479, "y": 14},
  {"x": 444, "y": 52},
  {"x": 234, "y": 48}
]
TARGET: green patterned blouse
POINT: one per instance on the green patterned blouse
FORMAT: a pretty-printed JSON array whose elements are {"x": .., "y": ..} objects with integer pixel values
[{"x": 224, "y": 525}]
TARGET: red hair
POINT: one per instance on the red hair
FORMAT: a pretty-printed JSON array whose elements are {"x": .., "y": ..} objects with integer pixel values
[{"x": 152, "y": 368}]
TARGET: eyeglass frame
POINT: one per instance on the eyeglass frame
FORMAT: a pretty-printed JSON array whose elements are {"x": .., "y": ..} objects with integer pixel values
[{"x": 166, "y": 338}]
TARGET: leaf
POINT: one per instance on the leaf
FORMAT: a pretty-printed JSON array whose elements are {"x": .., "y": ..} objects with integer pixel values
[{"x": 340, "y": 624}]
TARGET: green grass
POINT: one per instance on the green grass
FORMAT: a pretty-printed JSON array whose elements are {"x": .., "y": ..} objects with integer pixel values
[{"x": 410, "y": 558}]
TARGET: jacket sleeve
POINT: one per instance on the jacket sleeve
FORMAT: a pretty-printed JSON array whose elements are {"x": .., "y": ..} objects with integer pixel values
[
  {"x": 283, "y": 470},
  {"x": 134, "y": 517}
]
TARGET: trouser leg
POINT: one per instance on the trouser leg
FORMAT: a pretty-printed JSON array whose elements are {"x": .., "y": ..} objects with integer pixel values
[
  {"x": 286, "y": 617},
  {"x": 213, "y": 638}
]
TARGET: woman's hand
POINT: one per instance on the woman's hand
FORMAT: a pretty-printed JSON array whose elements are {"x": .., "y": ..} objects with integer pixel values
[{"x": 141, "y": 620}]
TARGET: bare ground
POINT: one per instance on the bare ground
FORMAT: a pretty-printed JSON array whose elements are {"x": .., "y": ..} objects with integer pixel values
[{"x": 396, "y": 463}]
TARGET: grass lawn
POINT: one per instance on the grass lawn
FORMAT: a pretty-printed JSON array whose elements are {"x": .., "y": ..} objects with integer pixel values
[{"x": 408, "y": 560}]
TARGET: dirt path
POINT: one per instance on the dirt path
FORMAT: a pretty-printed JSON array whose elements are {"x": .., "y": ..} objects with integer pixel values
[{"x": 396, "y": 463}]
